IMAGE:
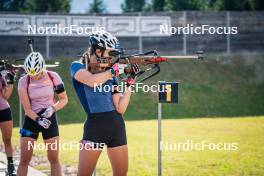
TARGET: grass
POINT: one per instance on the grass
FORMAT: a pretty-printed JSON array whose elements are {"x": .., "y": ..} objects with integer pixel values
[
  {"x": 247, "y": 132},
  {"x": 218, "y": 86}
]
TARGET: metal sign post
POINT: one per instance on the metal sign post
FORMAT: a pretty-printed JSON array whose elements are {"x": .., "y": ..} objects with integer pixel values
[
  {"x": 159, "y": 138},
  {"x": 168, "y": 93}
]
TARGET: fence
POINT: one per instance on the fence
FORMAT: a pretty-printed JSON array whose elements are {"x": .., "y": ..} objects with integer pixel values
[{"x": 250, "y": 37}]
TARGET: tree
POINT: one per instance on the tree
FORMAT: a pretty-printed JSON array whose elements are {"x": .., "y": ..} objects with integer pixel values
[
  {"x": 173, "y": 5},
  {"x": 259, "y": 5},
  {"x": 47, "y": 6},
  {"x": 158, "y": 5},
  {"x": 234, "y": 5},
  {"x": 217, "y": 5},
  {"x": 11, "y": 5},
  {"x": 133, "y": 5},
  {"x": 97, "y": 6}
]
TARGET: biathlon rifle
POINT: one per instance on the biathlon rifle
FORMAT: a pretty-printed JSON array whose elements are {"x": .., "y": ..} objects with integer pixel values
[
  {"x": 30, "y": 44},
  {"x": 147, "y": 62},
  {"x": 8, "y": 66}
]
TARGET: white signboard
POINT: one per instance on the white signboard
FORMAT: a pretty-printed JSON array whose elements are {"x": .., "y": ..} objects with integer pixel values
[
  {"x": 150, "y": 26},
  {"x": 42, "y": 25},
  {"x": 50, "y": 21},
  {"x": 122, "y": 26},
  {"x": 88, "y": 23},
  {"x": 14, "y": 24},
  {"x": 48, "y": 25}
]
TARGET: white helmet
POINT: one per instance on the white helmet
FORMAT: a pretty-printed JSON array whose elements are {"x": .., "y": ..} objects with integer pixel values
[
  {"x": 34, "y": 63},
  {"x": 103, "y": 39}
]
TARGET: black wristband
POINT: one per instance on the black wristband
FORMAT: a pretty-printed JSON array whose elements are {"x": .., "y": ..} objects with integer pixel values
[
  {"x": 38, "y": 119},
  {"x": 115, "y": 91},
  {"x": 112, "y": 71},
  {"x": 127, "y": 84},
  {"x": 10, "y": 82}
]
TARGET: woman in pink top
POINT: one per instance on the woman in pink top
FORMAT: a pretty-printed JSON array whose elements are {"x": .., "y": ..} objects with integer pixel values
[
  {"x": 6, "y": 123},
  {"x": 36, "y": 92}
]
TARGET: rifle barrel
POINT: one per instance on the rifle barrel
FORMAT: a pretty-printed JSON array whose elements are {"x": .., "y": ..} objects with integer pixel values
[
  {"x": 48, "y": 66},
  {"x": 182, "y": 57},
  {"x": 174, "y": 57}
]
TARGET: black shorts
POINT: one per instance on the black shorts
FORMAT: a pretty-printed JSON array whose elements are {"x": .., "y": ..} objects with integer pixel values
[
  {"x": 34, "y": 128},
  {"x": 107, "y": 127},
  {"x": 5, "y": 115}
]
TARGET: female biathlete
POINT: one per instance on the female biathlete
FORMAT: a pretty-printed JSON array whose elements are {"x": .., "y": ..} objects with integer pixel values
[
  {"x": 6, "y": 123},
  {"x": 104, "y": 124},
  {"x": 36, "y": 92}
]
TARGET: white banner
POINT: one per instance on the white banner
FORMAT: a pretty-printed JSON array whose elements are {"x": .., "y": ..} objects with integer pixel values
[
  {"x": 89, "y": 23},
  {"x": 60, "y": 25},
  {"x": 122, "y": 26},
  {"x": 150, "y": 26},
  {"x": 14, "y": 24},
  {"x": 49, "y": 21}
]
